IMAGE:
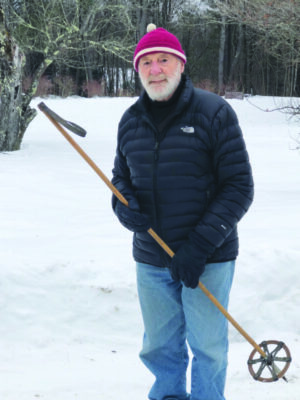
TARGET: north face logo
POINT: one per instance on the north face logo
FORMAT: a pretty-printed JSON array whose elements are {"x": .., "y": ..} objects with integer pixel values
[{"x": 188, "y": 129}]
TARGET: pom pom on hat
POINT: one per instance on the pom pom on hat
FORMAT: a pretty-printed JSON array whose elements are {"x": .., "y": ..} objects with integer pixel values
[
  {"x": 157, "y": 40},
  {"x": 151, "y": 27}
]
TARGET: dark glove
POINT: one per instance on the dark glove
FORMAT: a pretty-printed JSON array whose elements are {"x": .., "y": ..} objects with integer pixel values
[
  {"x": 131, "y": 218},
  {"x": 188, "y": 264}
]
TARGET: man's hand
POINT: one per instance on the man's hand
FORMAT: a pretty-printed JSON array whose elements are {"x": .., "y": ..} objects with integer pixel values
[
  {"x": 187, "y": 265},
  {"x": 131, "y": 218}
]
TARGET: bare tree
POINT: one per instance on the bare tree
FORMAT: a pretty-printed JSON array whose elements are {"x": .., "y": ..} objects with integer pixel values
[
  {"x": 276, "y": 24},
  {"x": 221, "y": 55},
  {"x": 71, "y": 31},
  {"x": 14, "y": 118}
]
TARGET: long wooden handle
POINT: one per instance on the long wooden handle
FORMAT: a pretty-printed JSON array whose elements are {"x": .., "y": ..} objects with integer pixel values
[{"x": 150, "y": 230}]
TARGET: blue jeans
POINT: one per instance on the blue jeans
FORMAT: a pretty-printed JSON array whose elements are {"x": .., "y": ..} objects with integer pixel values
[{"x": 173, "y": 316}]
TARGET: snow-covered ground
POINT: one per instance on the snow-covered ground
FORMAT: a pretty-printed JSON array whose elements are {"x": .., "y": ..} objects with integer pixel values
[{"x": 70, "y": 325}]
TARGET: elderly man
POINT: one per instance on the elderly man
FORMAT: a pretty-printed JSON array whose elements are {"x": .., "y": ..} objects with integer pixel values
[{"x": 182, "y": 164}]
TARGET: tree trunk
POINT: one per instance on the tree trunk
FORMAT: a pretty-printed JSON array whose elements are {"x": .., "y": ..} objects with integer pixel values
[
  {"x": 221, "y": 56},
  {"x": 15, "y": 113},
  {"x": 142, "y": 12},
  {"x": 237, "y": 53}
]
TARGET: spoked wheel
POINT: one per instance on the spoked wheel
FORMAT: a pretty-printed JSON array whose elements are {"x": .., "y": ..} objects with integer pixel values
[{"x": 274, "y": 365}]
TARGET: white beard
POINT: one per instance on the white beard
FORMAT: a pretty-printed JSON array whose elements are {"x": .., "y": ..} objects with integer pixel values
[{"x": 165, "y": 90}]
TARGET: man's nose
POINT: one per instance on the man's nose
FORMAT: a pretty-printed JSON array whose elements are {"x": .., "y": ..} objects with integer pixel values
[{"x": 155, "y": 68}]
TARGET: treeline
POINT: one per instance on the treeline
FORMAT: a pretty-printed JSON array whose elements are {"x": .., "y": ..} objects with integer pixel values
[
  {"x": 85, "y": 47},
  {"x": 250, "y": 46}
]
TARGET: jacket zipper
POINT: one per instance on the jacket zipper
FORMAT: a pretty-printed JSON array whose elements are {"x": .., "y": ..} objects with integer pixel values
[
  {"x": 156, "y": 151},
  {"x": 155, "y": 165},
  {"x": 154, "y": 177},
  {"x": 155, "y": 192}
]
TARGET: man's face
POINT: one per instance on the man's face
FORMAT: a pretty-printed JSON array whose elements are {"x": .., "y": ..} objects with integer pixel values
[{"x": 160, "y": 74}]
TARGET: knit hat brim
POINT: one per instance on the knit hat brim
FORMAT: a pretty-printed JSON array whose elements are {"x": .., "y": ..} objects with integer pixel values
[
  {"x": 158, "y": 40},
  {"x": 157, "y": 49}
]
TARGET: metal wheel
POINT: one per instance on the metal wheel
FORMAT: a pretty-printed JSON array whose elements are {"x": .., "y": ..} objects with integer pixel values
[{"x": 274, "y": 365}]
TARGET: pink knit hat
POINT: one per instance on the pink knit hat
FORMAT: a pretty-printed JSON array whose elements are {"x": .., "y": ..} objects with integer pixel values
[{"x": 157, "y": 40}]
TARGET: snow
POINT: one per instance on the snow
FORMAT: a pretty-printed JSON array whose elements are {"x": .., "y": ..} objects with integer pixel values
[{"x": 70, "y": 326}]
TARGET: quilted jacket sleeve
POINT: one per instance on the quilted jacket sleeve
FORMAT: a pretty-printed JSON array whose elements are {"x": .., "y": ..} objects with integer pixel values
[
  {"x": 234, "y": 181},
  {"x": 121, "y": 176}
]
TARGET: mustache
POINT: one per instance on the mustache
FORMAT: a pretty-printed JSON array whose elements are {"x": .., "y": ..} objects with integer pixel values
[{"x": 156, "y": 78}]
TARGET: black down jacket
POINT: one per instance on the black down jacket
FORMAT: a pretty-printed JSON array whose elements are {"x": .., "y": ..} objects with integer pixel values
[{"x": 195, "y": 177}]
